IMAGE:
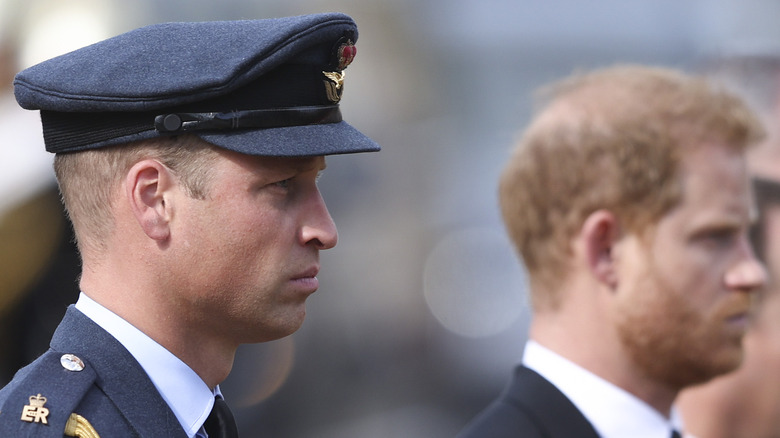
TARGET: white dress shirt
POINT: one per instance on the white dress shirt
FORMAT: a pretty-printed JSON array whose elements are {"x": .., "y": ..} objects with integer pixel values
[
  {"x": 613, "y": 412},
  {"x": 186, "y": 393}
]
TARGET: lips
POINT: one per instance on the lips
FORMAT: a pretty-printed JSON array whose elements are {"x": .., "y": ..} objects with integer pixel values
[
  {"x": 738, "y": 317},
  {"x": 309, "y": 273},
  {"x": 307, "y": 280}
]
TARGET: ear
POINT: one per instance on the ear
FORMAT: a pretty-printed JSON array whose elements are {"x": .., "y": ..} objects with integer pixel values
[
  {"x": 599, "y": 233},
  {"x": 147, "y": 186}
]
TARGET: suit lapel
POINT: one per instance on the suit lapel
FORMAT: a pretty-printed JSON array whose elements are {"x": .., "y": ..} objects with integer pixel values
[
  {"x": 120, "y": 376},
  {"x": 555, "y": 413}
]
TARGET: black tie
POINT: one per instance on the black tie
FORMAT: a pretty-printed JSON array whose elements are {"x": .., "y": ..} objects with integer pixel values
[
  {"x": 221, "y": 423},
  {"x": 675, "y": 434}
]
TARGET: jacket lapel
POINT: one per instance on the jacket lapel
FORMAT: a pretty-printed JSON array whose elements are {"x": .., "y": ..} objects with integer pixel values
[{"x": 555, "y": 413}]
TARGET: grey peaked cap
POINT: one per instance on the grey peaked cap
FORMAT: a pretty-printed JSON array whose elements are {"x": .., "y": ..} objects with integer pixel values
[{"x": 253, "y": 86}]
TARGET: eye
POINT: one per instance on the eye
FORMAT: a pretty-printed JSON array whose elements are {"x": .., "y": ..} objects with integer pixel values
[
  {"x": 285, "y": 183},
  {"x": 720, "y": 237}
]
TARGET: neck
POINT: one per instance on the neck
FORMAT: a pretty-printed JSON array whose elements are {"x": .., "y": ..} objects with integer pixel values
[
  {"x": 209, "y": 356},
  {"x": 572, "y": 333}
]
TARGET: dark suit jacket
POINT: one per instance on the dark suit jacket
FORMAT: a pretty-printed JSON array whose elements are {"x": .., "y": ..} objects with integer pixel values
[
  {"x": 530, "y": 407},
  {"x": 113, "y": 393}
]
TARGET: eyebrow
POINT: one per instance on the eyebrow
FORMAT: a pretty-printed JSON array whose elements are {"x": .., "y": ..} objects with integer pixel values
[{"x": 310, "y": 163}]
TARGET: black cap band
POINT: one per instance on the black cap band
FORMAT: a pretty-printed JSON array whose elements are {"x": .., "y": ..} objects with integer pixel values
[
  {"x": 66, "y": 132},
  {"x": 175, "y": 123}
]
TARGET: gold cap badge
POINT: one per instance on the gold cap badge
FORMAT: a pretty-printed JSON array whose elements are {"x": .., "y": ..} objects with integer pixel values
[
  {"x": 344, "y": 53},
  {"x": 334, "y": 85}
]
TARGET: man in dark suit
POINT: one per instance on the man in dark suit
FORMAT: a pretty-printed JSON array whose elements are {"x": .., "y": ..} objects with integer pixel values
[
  {"x": 628, "y": 199},
  {"x": 187, "y": 155}
]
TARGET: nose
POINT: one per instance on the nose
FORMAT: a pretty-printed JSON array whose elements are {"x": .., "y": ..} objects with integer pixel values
[
  {"x": 318, "y": 229},
  {"x": 749, "y": 273}
]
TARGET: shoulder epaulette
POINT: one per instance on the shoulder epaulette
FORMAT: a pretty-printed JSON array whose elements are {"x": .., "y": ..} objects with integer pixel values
[{"x": 41, "y": 399}]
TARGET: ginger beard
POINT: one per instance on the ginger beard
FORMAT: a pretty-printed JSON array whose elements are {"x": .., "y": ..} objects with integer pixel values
[{"x": 674, "y": 342}]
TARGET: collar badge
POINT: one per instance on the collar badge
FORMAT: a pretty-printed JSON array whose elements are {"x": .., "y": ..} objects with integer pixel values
[{"x": 35, "y": 412}]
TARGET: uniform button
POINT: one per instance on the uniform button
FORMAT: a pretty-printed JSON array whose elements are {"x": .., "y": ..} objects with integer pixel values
[{"x": 71, "y": 362}]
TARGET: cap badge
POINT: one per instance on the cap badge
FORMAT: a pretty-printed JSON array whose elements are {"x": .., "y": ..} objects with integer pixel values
[
  {"x": 35, "y": 412},
  {"x": 334, "y": 85},
  {"x": 345, "y": 53}
]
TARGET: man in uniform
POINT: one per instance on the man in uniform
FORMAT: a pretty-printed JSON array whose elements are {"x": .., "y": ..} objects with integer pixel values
[
  {"x": 629, "y": 202},
  {"x": 187, "y": 155}
]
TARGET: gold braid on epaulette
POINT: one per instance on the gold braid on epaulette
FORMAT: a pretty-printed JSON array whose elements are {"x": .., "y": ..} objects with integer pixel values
[{"x": 78, "y": 426}]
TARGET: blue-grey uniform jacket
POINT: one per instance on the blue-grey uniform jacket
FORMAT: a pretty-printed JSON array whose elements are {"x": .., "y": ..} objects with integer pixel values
[
  {"x": 86, "y": 372},
  {"x": 530, "y": 407}
]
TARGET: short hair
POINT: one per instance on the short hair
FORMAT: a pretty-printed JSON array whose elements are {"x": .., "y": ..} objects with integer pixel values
[
  {"x": 610, "y": 139},
  {"x": 88, "y": 180}
]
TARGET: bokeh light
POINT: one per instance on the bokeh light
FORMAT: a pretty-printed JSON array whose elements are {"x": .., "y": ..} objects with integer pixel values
[{"x": 474, "y": 285}]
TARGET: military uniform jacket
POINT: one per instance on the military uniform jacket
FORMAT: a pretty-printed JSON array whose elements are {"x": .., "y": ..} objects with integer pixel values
[
  {"x": 530, "y": 407},
  {"x": 111, "y": 395}
]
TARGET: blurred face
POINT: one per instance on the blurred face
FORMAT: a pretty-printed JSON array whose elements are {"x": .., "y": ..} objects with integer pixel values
[
  {"x": 685, "y": 291},
  {"x": 771, "y": 235},
  {"x": 248, "y": 255}
]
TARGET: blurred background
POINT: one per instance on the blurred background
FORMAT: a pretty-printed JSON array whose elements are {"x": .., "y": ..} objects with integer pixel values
[{"x": 421, "y": 312}]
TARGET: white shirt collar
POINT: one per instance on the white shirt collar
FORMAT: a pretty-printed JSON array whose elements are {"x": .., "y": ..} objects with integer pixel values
[
  {"x": 613, "y": 412},
  {"x": 186, "y": 393}
]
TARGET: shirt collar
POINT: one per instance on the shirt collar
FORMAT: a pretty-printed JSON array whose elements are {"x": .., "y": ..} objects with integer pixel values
[
  {"x": 186, "y": 393},
  {"x": 613, "y": 412}
]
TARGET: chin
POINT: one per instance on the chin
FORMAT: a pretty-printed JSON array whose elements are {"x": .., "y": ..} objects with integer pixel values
[
  {"x": 732, "y": 360},
  {"x": 271, "y": 331},
  {"x": 718, "y": 365}
]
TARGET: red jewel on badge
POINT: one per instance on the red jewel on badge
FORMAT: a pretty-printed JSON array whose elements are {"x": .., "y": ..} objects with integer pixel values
[{"x": 346, "y": 54}]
